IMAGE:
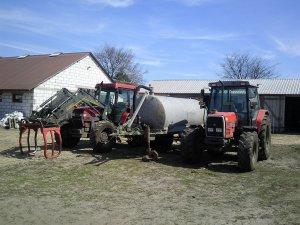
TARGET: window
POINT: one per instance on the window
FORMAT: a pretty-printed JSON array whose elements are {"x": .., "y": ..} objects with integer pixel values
[
  {"x": 126, "y": 96},
  {"x": 107, "y": 97},
  {"x": 234, "y": 100},
  {"x": 17, "y": 98}
]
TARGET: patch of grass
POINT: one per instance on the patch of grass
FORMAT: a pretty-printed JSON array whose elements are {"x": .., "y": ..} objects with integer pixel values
[{"x": 119, "y": 188}]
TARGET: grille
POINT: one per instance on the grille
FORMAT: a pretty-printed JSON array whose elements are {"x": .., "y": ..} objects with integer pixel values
[{"x": 215, "y": 126}]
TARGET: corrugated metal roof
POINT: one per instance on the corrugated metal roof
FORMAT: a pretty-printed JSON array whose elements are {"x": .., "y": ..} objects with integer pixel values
[
  {"x": 27, "y": 72},
  {"x": 266, "y": 86}
]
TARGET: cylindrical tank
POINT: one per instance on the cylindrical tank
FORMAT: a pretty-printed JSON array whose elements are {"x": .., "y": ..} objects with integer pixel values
[{"x": 169, "y": 113}]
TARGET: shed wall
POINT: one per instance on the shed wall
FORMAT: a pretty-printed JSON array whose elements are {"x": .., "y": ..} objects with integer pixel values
[{"x": 276, "y": 105}]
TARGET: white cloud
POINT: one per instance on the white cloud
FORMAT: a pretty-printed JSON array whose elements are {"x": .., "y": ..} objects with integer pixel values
[
  {"x": 113, "y": 3},
  {"x": 193, "y": 36},
  {"x": 25, "y": 20},
  {"x": 196, "y": 2},
  {"x": 26, "y": 48},
  {"x": 151, "y": 62},
  {"x": 267, "y": 54},
  {"x": 288, "y": 47},
  {"x": 210, "y": 37}
]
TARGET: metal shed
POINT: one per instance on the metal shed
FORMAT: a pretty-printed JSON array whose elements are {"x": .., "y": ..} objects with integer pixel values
[{"x": 280, "y": 96}]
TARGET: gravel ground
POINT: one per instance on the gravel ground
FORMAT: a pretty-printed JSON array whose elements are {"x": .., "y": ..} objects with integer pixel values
[{"x": 119, "y": 188}]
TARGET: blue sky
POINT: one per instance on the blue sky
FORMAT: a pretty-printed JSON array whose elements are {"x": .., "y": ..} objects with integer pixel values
[{"x": 172, "y": 39}]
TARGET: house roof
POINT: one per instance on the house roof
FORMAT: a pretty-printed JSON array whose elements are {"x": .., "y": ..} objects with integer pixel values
[
  {"x": 266, "y": 86},
  {"x": 27, "y": 72}
]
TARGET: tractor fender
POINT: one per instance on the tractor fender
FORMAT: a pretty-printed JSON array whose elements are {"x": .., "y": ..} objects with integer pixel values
[
  {"x": 250, "y": 128},
  {"x": 259, "y": 118},
  {"x": 105, "y": 123}
]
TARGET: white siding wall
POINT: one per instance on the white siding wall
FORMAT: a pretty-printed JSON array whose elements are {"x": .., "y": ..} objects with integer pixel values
[
  {"x": 83, "y": 74},
  {"x": 8, "y": 106}
]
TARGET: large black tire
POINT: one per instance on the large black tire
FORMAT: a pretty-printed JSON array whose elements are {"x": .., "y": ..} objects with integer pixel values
[
  {"x": 101, "y": 139},
  {"x": 215, "y": 153},
  {"x": 67, "y": 140},
  {"x": 248, "y": 151},
  {"x": 192, "y": 144},
  {"x": 264, "y": 139},
  {"x": 136, "y": 141},
  {"x": 162, "y": 143}
]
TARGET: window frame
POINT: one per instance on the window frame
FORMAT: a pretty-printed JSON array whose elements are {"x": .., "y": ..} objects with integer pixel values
[{"x": 17, "y": 97}]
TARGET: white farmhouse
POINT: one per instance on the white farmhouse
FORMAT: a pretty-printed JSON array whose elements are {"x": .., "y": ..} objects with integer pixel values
[{"x": 27, "y": 81}]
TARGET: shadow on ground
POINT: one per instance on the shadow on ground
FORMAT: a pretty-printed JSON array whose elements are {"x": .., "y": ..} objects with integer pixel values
[
  {"x": 13, "y": 152},
  {"x": 172, "y": 157}
]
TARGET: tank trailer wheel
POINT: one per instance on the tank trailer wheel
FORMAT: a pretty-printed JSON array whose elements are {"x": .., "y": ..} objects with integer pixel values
[
  {"x": 136, "y": 141},
  {"x": 153, "y": 154},
  {"x": 162, "y": 143},
  {"x": 264, "y": 139},
  {"x": 101, "y": 139},
  {"x": 192, "y": 144},
  {"x": 248, "y": 151}
]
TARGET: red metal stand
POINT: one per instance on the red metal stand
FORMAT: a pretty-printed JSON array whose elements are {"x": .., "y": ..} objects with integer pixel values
[{"x": 35, "y": 126}]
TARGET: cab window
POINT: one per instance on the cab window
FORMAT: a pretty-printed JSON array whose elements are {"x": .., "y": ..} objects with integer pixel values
[
  {"x": 126, "y": 96},
  {"x": 107, "y": 97},
  {"x": 253, "y": 98},
  {"x": 234, "y": 100}
]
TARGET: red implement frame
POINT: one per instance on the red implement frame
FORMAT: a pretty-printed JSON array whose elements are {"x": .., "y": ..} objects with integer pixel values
[{"x": 35, "y": 126}]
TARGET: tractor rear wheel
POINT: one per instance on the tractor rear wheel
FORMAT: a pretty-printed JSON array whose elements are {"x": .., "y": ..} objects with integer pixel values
[
  {"x": 101, "y": 139},
  {"x": 264, "y": 139},
  {"x": 192, "y": 144},
  {"x": 248, "y": 151}
]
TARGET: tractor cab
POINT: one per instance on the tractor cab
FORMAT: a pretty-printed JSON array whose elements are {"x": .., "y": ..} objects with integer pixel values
[
  {"x": 117, "y": 99},
  {"x": 238, "y": 97}
]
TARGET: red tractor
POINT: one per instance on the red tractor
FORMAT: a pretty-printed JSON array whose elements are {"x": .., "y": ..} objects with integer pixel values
[
  {"x": 234, "y": 121},
  {"x": 116, "y": 101}
]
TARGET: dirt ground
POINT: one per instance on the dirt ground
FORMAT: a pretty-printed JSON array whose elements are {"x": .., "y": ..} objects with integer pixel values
[{"x": 118, "y": 188}]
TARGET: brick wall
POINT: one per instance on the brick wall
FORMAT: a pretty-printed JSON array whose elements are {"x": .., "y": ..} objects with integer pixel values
[
  {"x": 8, "y": 106},
  {"x": 83, "y": 74}
]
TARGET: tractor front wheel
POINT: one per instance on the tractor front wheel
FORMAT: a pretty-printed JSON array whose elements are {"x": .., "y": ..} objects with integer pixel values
[
  {"x": 67, "y": 140},
  {"x": 101, "y": 138},
  {"x": 248, "y": 151},
  {"x": 192, "y": 144}
]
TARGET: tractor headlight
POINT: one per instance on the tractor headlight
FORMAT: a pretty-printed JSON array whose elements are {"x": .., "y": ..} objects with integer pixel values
[
  {"x": 210, "y": 129},
  {"x": 219, "y": 130}
]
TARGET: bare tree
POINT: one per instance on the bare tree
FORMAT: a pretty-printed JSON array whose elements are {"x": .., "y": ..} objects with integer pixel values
[
  {"x": 120, "y": 64},
  {"x": 244, "y": 66}
]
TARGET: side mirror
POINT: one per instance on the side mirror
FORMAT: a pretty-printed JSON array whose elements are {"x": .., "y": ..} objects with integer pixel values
[
  {"x": 202, "y": 105},
  {"x": 202, "y": 93}
]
